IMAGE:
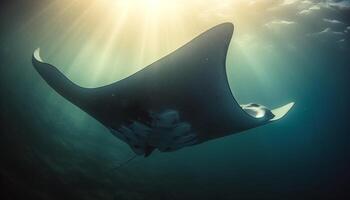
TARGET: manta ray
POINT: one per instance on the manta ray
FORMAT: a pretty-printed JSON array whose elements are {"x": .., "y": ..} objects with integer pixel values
[{"x": 180, "y": 100}]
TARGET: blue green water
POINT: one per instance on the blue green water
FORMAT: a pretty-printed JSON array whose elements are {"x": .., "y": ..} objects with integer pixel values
[{"x": 50, "y": 149}]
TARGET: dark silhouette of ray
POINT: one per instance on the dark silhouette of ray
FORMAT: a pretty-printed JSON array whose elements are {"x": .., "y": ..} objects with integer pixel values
[{"x": 180, "y": 100}]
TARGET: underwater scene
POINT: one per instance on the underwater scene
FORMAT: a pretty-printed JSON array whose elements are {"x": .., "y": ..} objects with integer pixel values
[{"x": 174, "y": 99}]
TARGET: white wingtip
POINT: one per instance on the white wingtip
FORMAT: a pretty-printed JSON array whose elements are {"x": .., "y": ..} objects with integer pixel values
[
  {"x": 37, "y": 55},
  {"x": 281, "y": 111}
]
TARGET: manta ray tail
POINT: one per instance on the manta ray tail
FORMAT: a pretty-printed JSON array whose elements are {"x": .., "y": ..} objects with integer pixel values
[{"x": 59, "y": 82}]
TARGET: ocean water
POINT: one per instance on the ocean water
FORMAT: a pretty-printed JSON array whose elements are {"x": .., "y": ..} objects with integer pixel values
[{"x": 282, "y": 51}]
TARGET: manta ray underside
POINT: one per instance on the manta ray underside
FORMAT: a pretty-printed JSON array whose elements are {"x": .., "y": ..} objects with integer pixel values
[{"x": 180, "y": 100}]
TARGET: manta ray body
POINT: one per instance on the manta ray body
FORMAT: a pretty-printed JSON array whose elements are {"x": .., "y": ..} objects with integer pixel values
[{"x": 182, "y": 99}]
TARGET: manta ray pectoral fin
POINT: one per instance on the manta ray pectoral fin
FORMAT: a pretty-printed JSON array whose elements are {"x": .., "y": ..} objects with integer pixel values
[
  {"x": 281, "y": 111},
  {"x": 58, "y": 81},
  {"x": 36, "y": 55}
]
